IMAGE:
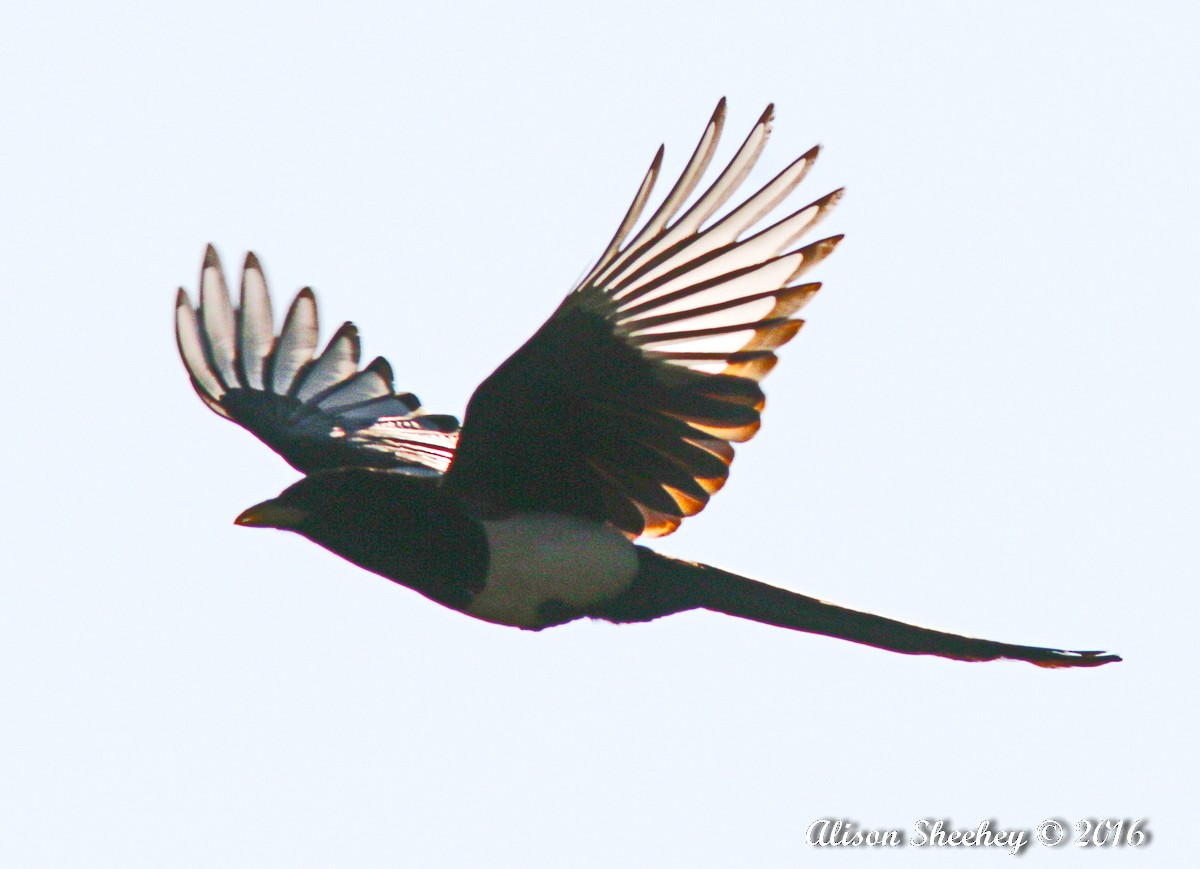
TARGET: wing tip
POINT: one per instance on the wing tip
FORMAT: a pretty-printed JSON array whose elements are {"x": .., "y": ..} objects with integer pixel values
[
  {"x": 830, "y": 199},
  {"x": 383, "y": 368},
  {"x": 825, "y": 246}
]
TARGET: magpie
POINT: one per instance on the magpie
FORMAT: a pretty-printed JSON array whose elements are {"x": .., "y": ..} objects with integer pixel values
[{"x": 616, "y": 420}]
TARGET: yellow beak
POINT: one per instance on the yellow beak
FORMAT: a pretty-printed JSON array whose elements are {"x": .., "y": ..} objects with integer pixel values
[{"x": 271, "y": 514}]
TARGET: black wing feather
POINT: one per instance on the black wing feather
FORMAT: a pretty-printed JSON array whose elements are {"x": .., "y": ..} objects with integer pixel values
[
  {"x": 318, "y": 411},
  {"x": 624, "y": 405}
]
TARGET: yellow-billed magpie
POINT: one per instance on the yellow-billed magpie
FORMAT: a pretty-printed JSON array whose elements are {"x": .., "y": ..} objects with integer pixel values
[{"x": 615, "y": 420}]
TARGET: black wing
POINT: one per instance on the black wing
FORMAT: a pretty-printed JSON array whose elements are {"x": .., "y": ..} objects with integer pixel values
[
  {"x": 317, "y": 411},
  {"x": 623, "y": 406}
]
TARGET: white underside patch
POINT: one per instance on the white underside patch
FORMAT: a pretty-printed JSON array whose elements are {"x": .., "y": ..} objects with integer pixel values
[{"x": 546, "y": 556}]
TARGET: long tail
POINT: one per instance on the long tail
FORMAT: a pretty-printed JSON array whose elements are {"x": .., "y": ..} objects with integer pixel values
[{"x": 671, "y": 585}]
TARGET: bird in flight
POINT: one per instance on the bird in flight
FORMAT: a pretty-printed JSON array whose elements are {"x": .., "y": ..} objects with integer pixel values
[{"x": 616, "y": 420}]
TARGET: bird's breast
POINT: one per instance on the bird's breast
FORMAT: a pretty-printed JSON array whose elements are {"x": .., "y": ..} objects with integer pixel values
[{"x": 547, "y": 558}]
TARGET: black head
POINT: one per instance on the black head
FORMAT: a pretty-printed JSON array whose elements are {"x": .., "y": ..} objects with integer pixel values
[
  {"x": 399, "y": 525},
  {"x": 351, "y": 498}
]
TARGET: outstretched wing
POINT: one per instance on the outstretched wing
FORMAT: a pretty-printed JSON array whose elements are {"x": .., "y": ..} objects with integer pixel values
[
  {"x": 317, "y": 411},
  {"x": 624, "y": 405}
]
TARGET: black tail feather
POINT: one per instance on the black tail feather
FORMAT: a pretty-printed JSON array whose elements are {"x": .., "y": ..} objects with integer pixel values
[{"x": 670, "y": 585}]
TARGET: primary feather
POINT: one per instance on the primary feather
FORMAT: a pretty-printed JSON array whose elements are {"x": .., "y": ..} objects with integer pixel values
[
  {"x": 317, "y": 410},
  {"x": 648, "y": 371}
]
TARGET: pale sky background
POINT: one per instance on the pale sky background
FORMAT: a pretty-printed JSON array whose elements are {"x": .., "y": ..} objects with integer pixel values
[{"x": 990, "y": 426}]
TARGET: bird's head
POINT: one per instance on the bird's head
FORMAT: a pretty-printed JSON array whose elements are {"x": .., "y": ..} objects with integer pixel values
[
  {"x": 402, "y": 526},
  {"x": 345, "y": 506}
]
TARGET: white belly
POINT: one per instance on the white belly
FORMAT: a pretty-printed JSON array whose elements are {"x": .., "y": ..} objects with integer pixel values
[{"x": 546, "y": 556}]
